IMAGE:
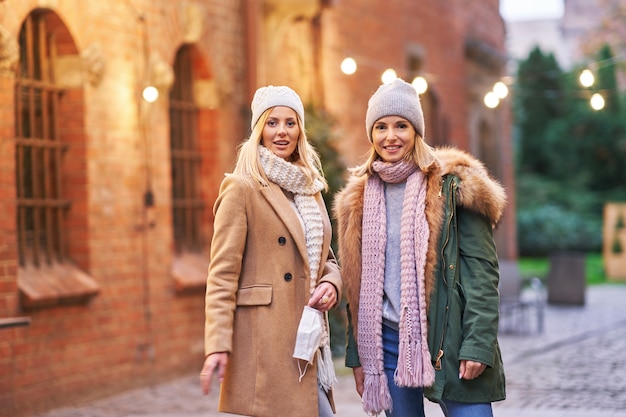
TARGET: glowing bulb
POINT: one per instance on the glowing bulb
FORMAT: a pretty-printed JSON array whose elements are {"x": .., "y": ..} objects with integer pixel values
[
  {"x": 150, "y": 94},
  {"x": 586, "y": 78},
  {"x": 501, "y": 90},
  {"x": 348, "y": 66},
  {"x": 388, "y": 76},
  {"x": 420, "y": 84},
  {"x": 597, "y": 102},
  {"x": 491, "y": 100}
]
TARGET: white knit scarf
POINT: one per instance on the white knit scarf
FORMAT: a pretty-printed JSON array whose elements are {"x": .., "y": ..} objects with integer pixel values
[
  {"x": 292, "y": 178},
  {"x": 414, "y": 368}
]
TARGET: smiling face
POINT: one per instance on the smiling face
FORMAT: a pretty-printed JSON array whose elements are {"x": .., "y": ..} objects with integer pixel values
[
  {"x": 281, "y": 131},
  {"x": 393, "y": 138}
]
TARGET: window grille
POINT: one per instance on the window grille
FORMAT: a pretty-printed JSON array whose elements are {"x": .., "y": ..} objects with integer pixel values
[
  {"x": 186, "y": 158},
  {"x": 38, "y": 148}
]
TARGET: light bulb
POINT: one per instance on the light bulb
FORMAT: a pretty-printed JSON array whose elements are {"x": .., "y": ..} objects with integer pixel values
[
  {"x": 348, "y": 66},
  {"x": 388, "y": 76},
  {"x": 597, "y": 101},
  {"x": 501, "y": 90},
  {"x": 420, "y": 84},
  {"x": 150, "y": 94},
  {"x": 491, "y": 100},
  {"x": 586, "y": 78}
]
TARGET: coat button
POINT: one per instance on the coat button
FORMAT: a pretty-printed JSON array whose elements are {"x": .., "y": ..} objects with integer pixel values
[
  {"x": 288, "y": 276},
  {"x": 282, "y": 241},
  {"x": 451, "y": 266}
]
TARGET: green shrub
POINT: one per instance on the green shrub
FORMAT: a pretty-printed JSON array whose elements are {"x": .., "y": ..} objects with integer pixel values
[{"x": 549, "y": 228}]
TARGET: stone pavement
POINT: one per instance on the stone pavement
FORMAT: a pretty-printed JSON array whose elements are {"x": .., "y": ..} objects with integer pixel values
[{"x": 575, "y": 368}]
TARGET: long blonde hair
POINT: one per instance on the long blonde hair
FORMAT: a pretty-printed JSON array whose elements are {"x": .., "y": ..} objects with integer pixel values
[
  {"x": 423, "y": 155},
  {"x": 249, "y": 164}
]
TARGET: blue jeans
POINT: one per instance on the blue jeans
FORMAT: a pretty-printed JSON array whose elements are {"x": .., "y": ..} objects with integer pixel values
[
  {"x": 407, "y": 402},
  {"x": 457, "y": 409}
]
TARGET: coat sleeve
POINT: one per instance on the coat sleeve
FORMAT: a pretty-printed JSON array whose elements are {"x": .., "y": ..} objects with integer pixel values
[
  {"x": 227, "y": 248},
  {"x": 478, "y": 286},
  {"x": 331, "y": 274},
  {"x": 352, "y": 352}
]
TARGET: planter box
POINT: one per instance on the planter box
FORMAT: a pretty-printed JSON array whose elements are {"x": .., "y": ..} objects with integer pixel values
[{"x": 566, "y": 278}]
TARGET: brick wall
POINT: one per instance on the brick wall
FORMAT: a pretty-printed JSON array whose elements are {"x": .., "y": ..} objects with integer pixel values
[{"x": 137, "y": 329}]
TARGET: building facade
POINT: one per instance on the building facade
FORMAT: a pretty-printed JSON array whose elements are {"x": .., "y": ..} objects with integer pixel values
[
  {"x": 565, "y": 37},
  {"x": 106, "y": 196}
]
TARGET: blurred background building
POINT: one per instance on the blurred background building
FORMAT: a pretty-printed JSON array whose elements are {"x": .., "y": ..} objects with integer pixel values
[
  {"x": 564, "y": 36},
  {"x": 118, "y": 119}
]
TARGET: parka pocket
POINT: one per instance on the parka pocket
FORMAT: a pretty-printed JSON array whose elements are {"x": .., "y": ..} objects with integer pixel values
[{"x": 254, "y": 295}]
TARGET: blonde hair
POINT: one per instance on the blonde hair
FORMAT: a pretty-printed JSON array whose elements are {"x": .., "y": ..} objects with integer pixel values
[
  {"x": 249, "y": 164},
  {"x": 423, "y": 155}
]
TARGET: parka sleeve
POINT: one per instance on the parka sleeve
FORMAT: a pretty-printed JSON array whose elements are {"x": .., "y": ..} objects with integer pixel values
[
  {"x": 227, "y": 249},
  {"x": 352, "y": 353},
  {"x": 478, "y": 286}
]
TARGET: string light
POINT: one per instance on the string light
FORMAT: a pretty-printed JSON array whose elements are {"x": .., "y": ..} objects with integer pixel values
[
  {"x": 491, "y": 100},
  {"x": 420, "y": 84},
  {"x": 150, "y": 94},
  {"x": 597, "y": 102},
  {"x": 348, "y": 66},
  {"x": 501, "y": 90},
  {"x": 498, "y": 92},
  {"x": 586, "y": 78},
  {"x": 388, "y": 76}
]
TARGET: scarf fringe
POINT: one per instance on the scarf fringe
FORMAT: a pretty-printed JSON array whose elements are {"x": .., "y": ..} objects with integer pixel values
[
  {"x": 325, "y": 368},
  {"x": 376, "y": 396},
  {"x": 415, "y": 371},
  {"x": 406, "y": 374}
]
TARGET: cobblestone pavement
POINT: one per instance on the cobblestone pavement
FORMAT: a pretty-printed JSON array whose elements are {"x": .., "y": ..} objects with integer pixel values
[{"x": 575, "y": 368}]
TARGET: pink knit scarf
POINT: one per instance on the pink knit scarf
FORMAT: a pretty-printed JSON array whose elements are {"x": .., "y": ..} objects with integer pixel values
[{"x": 414, "y": 368}]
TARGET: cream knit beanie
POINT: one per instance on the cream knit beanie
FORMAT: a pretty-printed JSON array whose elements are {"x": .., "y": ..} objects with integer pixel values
[
  {"x": 398, "y": 98},
  {"x": 271, "y": 96}
]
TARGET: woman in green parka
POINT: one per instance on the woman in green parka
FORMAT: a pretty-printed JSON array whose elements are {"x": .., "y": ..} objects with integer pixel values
[{"x": 420, "y": 268}]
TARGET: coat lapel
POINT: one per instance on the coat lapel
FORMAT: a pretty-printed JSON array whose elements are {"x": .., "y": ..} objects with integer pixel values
[{"x": 283, "y": 208}]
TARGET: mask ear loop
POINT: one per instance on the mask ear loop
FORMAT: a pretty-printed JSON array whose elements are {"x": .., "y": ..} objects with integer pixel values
[{"x": 302, "y": 373}]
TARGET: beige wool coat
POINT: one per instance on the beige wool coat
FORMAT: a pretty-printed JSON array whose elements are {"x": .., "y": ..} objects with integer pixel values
[{"x": 257, "y": 287}]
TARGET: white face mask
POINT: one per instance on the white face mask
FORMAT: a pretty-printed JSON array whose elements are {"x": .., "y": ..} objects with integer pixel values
[{"x": 308, "y": 337}]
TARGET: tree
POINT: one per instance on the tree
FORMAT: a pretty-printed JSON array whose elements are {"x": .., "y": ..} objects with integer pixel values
[
  {"x": 571, "y": 158},
  {"x": 538, "y": 101},
  {"x": 607, "y": 80}
]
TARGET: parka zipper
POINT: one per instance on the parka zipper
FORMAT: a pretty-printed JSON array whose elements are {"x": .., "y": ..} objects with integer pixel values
[{"x": 444, "y": 271}]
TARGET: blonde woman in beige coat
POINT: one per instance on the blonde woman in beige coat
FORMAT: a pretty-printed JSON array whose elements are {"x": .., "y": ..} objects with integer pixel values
[{"x": 270, "y": 257}]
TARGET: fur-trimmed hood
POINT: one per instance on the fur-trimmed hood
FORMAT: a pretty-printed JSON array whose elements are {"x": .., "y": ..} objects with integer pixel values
[{"x": 476, "y": 191}]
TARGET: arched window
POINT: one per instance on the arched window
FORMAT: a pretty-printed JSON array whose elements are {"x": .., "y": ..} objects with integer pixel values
[
  {"x": 50, "y": 166},
  {"x": 186, "y": 159},
  {"x": 39, "y": 148}
]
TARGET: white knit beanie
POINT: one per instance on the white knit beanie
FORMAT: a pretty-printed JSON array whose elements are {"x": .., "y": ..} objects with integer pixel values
[
  {"x": 398, "y": 98},
  {"x": 271, "y": 96}
]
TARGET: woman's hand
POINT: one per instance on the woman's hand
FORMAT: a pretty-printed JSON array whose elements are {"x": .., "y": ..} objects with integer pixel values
[
  {"x": 324, "y": 297},
  {"x": 471, "y": 369},
  {"x": 213, "y": 362},
  {"x": 359, "y": 379}
]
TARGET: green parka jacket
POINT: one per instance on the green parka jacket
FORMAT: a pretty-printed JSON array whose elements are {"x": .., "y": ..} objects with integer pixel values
[{"x": 463, "y": 204}]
